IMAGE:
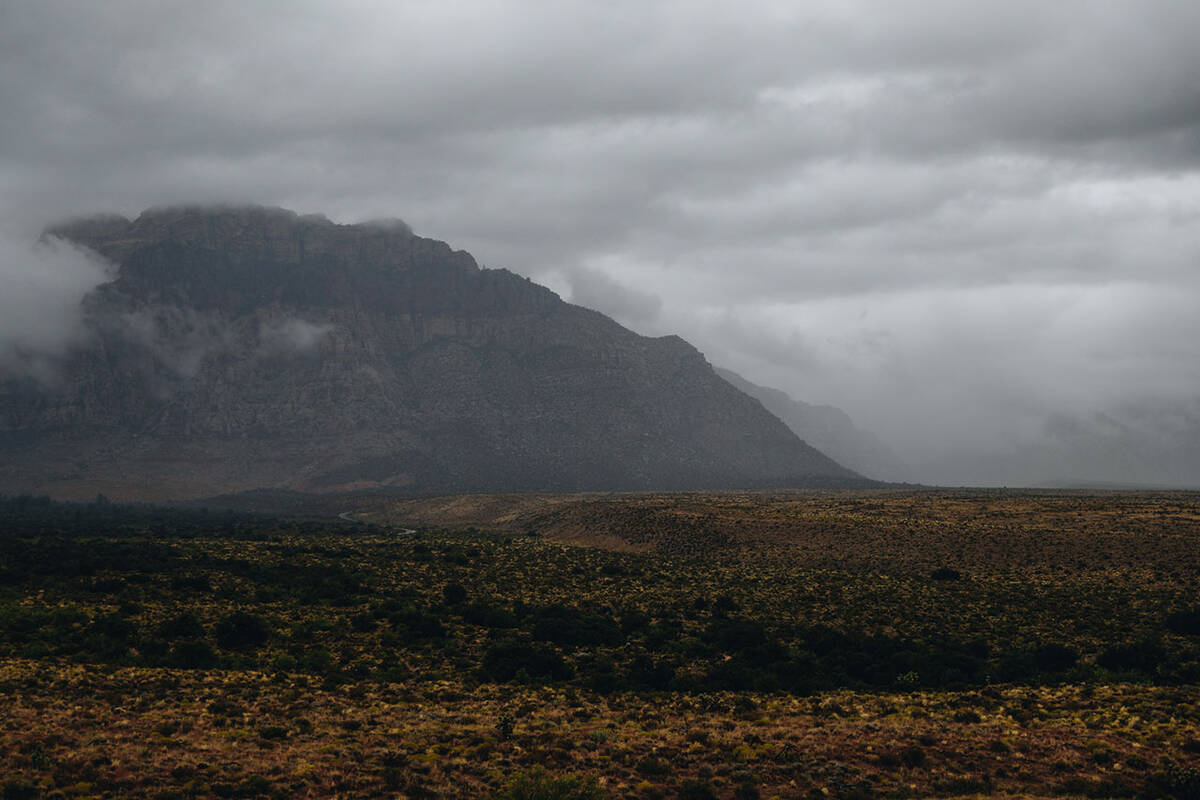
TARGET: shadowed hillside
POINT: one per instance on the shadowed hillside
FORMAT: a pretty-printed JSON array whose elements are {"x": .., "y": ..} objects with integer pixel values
[{"x": 250, "y": 347}]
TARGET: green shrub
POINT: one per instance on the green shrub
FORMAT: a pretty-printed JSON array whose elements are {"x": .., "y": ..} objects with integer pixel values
[
  {"x": 454, "y": 593},
  {"x": 1055, "y": 657},
  {"x": 1139, "y": 656},
  {"x": 1185, "y": 623},
  {"x": 20, "y": 790},
  {"x": 254, "y": 786},
  {"x": 362, "y": 623},
  {"x": 192, "y": 654},
  {"x": 653, "y": 766},
  {"x": 418, "y": 624},
  {"x": 241, "y": 631},
  {"x": 487, "y": 615},
  {"x": 912, "y": 756},
  {"x": 570, "y": 626},
  {"x": 693, "y": 789},
  {"x": 1174, "y": 781},
  {"x": 504, "y": 660},
  {"x": 181, "y": 626},
  {"x": 746, "y": 790},
  {"x": 537, "y": 785}
]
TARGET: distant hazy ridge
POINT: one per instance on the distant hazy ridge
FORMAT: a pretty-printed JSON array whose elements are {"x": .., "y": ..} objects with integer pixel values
[{"x": 827, "y": 428}]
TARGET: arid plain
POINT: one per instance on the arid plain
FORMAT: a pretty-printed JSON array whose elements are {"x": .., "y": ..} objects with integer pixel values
[{"x": 777, "y": 644}]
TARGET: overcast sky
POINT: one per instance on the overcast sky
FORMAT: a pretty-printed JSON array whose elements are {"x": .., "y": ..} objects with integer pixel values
[{"x": 956, "y": 220}]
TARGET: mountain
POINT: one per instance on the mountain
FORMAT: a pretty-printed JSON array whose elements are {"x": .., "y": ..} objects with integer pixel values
[
  {"x": 827, "y": 428},
  {"x": 241, "y": 348}
]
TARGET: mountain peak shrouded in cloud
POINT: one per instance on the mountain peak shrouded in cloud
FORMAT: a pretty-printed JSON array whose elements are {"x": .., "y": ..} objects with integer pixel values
[
  {"x": 958, "y": 221},
  {"x": 241, "y": 348},
  {"x": 388, "y": 224}
]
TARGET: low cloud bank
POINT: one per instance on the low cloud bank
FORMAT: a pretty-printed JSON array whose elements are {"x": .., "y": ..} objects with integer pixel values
[{"x": 43, "y": 284}]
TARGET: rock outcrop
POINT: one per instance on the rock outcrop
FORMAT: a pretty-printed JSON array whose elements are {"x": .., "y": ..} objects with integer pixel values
[{"x": 240, "y": 348}]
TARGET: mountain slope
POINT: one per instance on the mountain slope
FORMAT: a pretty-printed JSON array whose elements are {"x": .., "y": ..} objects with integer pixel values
[
  {"x": 247, "y": 347},
  {"x": 827, "y": 428}
]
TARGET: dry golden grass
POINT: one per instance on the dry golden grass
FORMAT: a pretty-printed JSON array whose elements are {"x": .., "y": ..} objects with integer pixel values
[{"x": 77, "y": 731}]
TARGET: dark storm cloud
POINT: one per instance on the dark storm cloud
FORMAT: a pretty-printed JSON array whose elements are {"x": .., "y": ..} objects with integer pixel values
[{"x": 956, "y": 220}]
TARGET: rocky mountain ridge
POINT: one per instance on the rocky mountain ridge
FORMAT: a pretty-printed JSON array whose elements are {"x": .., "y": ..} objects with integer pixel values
[{"x": 239, "y": 348}]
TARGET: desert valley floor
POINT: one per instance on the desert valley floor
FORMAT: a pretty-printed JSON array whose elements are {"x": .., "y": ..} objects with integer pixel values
[{"x": 731, "y": 645}]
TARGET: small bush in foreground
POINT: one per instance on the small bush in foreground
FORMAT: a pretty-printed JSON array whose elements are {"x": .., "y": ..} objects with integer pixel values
[
  {"x": 1140, "y": 656},
  {"x": 1184, "y": 623},
  {"x": 537, "y": 785},
  {"x": 242, "y": 631},
  {"x": 20, "y": 790},
  {"x": 1055, "y": 657},
  {"x": 693, "y": 789},
  {"x": 510, "y": 658}
]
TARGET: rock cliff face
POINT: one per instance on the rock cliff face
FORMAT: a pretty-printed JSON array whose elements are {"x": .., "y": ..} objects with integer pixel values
[{"x": 249, "y": 347}]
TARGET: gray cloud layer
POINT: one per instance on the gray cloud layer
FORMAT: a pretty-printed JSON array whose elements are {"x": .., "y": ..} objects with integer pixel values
[{"x": 963, "y": 222}]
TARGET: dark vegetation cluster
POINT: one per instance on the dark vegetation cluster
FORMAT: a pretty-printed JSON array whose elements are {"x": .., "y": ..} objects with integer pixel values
[{"x": 133, "y": 585}]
